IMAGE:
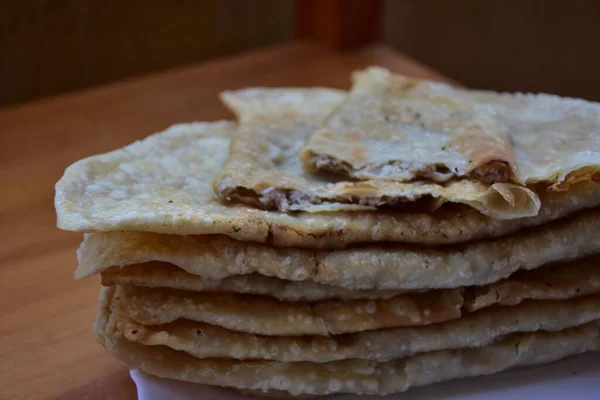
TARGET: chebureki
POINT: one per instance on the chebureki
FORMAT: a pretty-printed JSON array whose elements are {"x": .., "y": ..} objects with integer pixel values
[
  {"x": 163, "y": 184},
  {"x": 264, "y": 169},
  {"x": 410, "y": 140},
  {"x": 366, "y": 242},
  {"x": 400, "y": 128}
]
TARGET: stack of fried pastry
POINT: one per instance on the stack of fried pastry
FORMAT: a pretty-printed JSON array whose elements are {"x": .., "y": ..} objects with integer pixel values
[{"x": 401, "y": 234}]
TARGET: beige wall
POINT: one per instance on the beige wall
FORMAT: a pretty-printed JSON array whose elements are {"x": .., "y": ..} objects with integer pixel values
[
  {"x": 527, "y": 45},
  {"x": 52, "y": 46}
]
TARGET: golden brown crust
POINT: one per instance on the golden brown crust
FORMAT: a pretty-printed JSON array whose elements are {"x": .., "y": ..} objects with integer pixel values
[
  {"x": 266, "y": 316},
  {"x": 558, "y": 281},
  {"x": 156, "y": 274},
  {"x": 478, "y": 329},
  {"x": 347, "y": 376},
  {"x": 396, "y": 267}
]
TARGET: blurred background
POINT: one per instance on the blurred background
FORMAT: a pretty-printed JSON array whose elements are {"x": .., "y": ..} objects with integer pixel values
[{"x": 55, "y": 46}]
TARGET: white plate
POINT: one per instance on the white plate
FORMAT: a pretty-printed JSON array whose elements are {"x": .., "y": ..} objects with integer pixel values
[{"x": 576, "y": 378}]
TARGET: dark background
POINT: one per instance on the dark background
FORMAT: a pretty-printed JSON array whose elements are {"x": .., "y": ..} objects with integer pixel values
[{"x": 53, "y": 46}]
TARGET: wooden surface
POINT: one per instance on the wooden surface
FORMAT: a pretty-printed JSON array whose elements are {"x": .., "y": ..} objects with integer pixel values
[{"x": 46, "y": 345}]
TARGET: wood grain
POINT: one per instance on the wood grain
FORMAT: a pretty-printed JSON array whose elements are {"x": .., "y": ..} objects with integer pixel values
[
  {"x": 46, "y": 345},
  {"x": 338, "y": 24}
]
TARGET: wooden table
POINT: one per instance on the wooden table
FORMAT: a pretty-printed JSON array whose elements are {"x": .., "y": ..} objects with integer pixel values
[{"x": 46, "y": 345}]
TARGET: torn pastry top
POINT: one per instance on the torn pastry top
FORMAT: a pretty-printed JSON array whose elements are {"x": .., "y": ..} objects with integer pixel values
[
  {"x": 402, "y": 129},
  {"x": 264, "y": 168},
  {"x": 398, "y": 128}
]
